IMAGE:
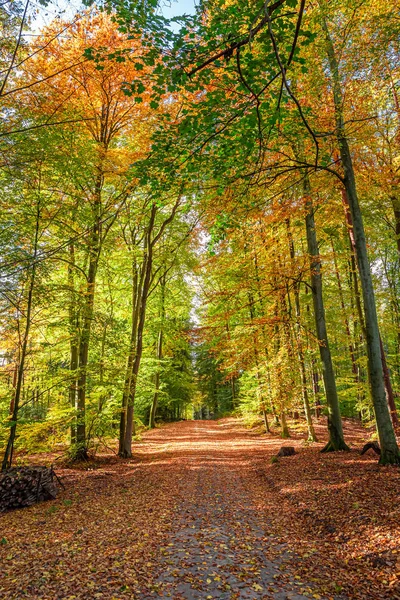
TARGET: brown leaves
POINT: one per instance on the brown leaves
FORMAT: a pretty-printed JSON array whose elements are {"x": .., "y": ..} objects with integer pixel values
[{"x": 201, "y": 513}]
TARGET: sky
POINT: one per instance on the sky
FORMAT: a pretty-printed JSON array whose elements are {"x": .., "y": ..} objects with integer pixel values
[
  {"x": 67, "y": 8},
  {"x": 180, "y": 7}
]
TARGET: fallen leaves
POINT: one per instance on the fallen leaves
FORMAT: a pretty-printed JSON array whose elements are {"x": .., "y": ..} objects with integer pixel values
[{"x": 200, "y": 512}]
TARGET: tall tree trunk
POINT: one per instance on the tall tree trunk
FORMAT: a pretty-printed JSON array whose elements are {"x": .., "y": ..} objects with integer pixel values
[
  {"x": 390, "y": 453},
  {"x": 8, "y": 454},
  {"x": 154, "y": 403},
  {"x": 388, "y": 386},
  {"x": 386, "y": 375},
  {"x": 74, "y": 340},
  {"x": 300, "y": 352},
  {"x": 285, "y": 433},
  {"x": 396, "y": 212},
  {"x": 335, "y": 429},
  {"x": 260, "y": 394},
  {"x": 129, "y": 424},
  {"x": 263, "y": 329},
  {"x": 316, "y": 389},
  {"x": 345, "y": 318},
  {"x": 136, "y": 291},
  {"x": 232, "y": 379},
  {"x": 88, "y": 310},
  {"x": 153, "y": 409}
]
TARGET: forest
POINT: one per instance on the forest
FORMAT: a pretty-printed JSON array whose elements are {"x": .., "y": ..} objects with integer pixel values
[{"x": 200, "y": 262}]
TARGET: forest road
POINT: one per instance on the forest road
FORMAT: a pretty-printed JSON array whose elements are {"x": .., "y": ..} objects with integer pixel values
[
  {"x": 190, "y": 516},
  {"x": 220, "y": 545}
]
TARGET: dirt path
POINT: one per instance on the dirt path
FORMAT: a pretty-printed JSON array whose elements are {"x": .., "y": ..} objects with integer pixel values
[
  {"x": 200, "y": 512},
  {"x": 219, "y": 546}
]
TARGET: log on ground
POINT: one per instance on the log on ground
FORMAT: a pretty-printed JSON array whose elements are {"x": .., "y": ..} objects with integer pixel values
[{"x": 24, "y": 486}]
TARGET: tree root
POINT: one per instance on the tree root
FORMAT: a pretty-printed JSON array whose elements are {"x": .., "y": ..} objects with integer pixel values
[{"x": 331, "y": 447}]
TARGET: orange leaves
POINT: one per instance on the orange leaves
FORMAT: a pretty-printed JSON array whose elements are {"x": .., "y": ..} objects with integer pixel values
[{"x": 79, "y": 69}]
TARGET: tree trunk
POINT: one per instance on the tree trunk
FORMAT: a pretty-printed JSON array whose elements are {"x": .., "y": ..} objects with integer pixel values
[
  {"x": 385, "y": 370},
  {"x": 265, "y": 418},
  {"x": 388, "y": 387},
  {"x": 390, "y": 451},
  {"x": 136, "y": 287},
  {"x": 345, "y": 318},
  {"x": 153, "y": 410},
  {"x": 336, "y": 439},
  {"x": 8, "y": 454},
  {"x": 316, "y": 390},
  {"x": 300, "y": 353},
  {"x": 127, "y": 432},
  {"x": 74, "y": 341},
  {"x": 260, "y": 395},
  {"x": 396, "y": 212},
  {"x": 88, "y": 309},
  {"x": 285, "y": 429}
]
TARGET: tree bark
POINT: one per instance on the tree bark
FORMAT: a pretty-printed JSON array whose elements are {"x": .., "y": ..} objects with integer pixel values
[
  {"x": 74, "y": 340},
  {"x": 390, "y": 451},
  {"x": 335, "y": 429},
  {"x": 345, "y": 318},
  {"x": 300, "y": 352},
  {"x": 8, "y": 454},
  {"x": 88, "y": 310},
  {"x": 386, "y": 375},
  {"x": 153, "y": 409},
  {"x": 260, "y": 394},
  {"x": 136, "y": 286},
  {"x": 127, "y": 416},
  {"x": 134, "y": 360}
]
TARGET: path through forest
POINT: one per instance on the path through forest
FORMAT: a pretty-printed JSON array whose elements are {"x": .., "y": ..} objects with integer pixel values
[
  {"x": 200, "y": 512},
  {"x": 220, "y": 545}
]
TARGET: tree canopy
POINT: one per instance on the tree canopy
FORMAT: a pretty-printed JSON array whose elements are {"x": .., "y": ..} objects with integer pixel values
[{"x": 200, "y": 216}]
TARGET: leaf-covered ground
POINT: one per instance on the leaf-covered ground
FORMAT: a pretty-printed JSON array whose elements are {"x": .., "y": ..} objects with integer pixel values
[{"x": 201, "y": 512}]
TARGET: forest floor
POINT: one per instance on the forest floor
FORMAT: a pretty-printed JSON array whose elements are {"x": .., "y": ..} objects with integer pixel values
[{"x": 202, "y": 512}]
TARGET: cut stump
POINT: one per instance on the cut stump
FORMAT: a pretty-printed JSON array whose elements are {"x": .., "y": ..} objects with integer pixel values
[{"x": 286, "y": 451}]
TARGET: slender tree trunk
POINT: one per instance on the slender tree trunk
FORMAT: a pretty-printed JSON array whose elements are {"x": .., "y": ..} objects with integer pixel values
[
  {"x": 102, "y": 397},
  {"x": 14, "y": 385},
  {"x": 233, "y": 391},
  {"x": 88, "y": 309},
  {"x": 386, "y": 375},
  {"x": 388, "y": 387},
  {"x": 153, "y": 409},
  {"x": 390, "y": 453},
  {"x": 257, "y": 362},
  {"x": 345, "y": 318},
  {"x": 130, "y": 424},
  {"x": 127, "y": 422},
  {"x": 285, "y": 433},
  {"x": 300, "y": 352},
  {"x": 396, "y": 212},
  {"x": 154, "y": 404},
  {"x": 74, "y": 340},
  {"x": 128, "y": 432},
  {"x": 232, "y": 378},
  {"x": 265, "y": 418},
  {"x": 8, "y": 454},
  {"x": 316, "y": 390},
  {"x": 336, "y": 439},
  {"x": 136, "y": 292},
  {"x": 265, "y": 347}
]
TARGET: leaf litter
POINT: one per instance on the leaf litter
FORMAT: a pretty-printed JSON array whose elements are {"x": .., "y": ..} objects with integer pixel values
[{"x": 201, "y": 512}]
